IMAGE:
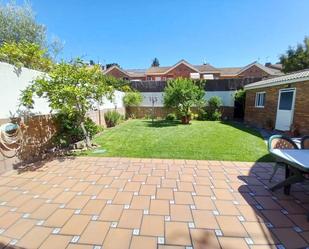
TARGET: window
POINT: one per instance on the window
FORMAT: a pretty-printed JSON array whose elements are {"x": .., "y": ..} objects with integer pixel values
[
  {"x": 148, "y": 77},
  {"x": 208, "y": 76},
  {"x": 260, "y": 99},
  {"x": 194, "y": 75}
]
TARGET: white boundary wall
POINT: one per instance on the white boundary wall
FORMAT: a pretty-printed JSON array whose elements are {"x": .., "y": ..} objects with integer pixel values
[
  {"x": 227, "y": 98},
  {"x": 13, "y": 81}
]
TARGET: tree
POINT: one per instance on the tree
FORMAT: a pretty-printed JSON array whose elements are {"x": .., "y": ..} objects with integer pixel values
[
  {"x": 155, "y": 62},
  {"x": 111, "y": 65},
  {"x": 296, "y": 58},
  {"x": 71, "y": 89},
  {"x": 17, "y": 23},
  {"x": 132, "y": 99},
  {"x": 25, "y": 54},
  {"x": 182, "y": 94}
]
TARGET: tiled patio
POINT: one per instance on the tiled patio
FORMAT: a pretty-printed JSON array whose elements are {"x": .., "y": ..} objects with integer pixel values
[{"x": 119, "y": 203}]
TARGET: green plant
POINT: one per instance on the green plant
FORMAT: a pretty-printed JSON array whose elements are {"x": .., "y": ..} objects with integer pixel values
[
  {"x": 25, "y": 54},
  {"x": 240, "y": 96},
  {"x": 70, "y": 132},
  {"x": 171, "y": 117},
  {"x": 182, "y": 94},
  {"x": 72, "y": 89},
  {"x": 112, "y": 118},
  {"x": 213, "y": 108},
  {"x": 132, "y": 99}
]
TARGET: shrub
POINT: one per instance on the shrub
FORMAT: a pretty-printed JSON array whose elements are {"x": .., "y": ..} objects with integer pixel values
[
  {"x": 112, "y": 118},
  {"x": 132, "y": 99},
  {"x": 213, "y": 108},
  {"x": 182, "y": 94},
  {"x": 70, "y": 132},
  {"x": 171, "y": 117}
]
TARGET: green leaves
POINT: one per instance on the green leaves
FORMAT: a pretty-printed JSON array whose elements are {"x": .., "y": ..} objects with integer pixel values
[
  {"x": 182, "y": 94},
  {"x": 132, "y": 99},
  {"x": 296, "y": 58}
]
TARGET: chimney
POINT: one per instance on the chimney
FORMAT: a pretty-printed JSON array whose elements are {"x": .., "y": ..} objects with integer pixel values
[{"x": 268, "y": 64}]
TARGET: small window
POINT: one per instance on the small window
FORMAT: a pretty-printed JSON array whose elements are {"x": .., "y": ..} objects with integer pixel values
[
  {"x": 260, "y": 99},
  {"x": 148, "y": 77}
]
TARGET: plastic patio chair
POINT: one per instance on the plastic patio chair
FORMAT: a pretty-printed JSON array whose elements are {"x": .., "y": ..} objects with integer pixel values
[
  {"x": 280, "y": 142},
  {"x": 304, "y": 143}
]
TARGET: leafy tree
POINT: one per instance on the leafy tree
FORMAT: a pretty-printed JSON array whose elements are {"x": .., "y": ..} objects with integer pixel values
[
  {"x": 111, "y": 65},
  {"x": 25, "y": 54},
  {"x": 71, "y": 89},
  {"x": 296, "y": 58},
  {"x": 155, "y": 62},
  {"x": 182, "y": 94},
  {"x": 17, "y": 23},
  {"x": 213, "y": 108},
  {"x": 132, "y": 99}
]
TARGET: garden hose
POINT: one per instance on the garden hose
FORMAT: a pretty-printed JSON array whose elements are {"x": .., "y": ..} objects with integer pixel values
[{"x": 10, "y": 139}]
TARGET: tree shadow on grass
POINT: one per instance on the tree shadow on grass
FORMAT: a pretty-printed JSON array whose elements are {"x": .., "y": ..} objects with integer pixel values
[
  {"x": 162, "y": 123},
  {"x": 242, "y": 127}
]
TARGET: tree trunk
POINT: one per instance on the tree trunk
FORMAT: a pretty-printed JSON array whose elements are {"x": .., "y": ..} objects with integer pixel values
[{"x": 87, "y": 138}]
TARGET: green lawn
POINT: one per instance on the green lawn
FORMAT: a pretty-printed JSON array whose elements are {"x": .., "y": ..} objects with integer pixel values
[{"x": 200, "y": 140}]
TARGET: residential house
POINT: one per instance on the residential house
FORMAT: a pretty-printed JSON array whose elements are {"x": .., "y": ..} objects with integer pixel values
[
  {"x": 186, "y": 70},
  {"x": 280, "y": 103}
]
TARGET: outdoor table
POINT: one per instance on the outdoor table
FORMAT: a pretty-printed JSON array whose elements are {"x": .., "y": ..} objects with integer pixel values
[{"x": 297, "y": 164}]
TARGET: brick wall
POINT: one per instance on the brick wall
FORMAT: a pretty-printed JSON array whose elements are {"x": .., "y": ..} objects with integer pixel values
[
  {"x": 115, "y": 72},
  {"x": 262, "y": 117},
  {"x": 254, "y": 72}
]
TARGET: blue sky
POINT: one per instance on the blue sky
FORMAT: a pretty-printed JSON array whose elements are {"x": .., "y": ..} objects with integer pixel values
[{"x": 133, "y": 32}]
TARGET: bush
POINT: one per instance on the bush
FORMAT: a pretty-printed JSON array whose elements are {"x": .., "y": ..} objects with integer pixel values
[
  {"x": 171, "y": 117},
  {"x": 112, "y": 118},
  {"x": 132, "y": 99},
  {"x": 213, "y": 108},
  {"x": 70, "y": 132}
]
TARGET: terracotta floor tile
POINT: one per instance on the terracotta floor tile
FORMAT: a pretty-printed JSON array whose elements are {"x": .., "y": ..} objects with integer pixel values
[
  {"x": 159, "y": 207},
  {"x": 20, "y": 200},
  {"x": 39, "y": 233},
  {"x": 118, "y": 183},
  {"x": 204, "y": 219},
  {"x": 78, "y": 202},
  {"x": 31, "y": 205},
  {"x": 44, "y": 211},
  {"x": 132, "y": 186},
  {"x": 80, "y": 186},
  {"x": 153, "y": 180},
  {"x": 220, "y": 184},
  {"x": 130, "y": 219},
  {"x": 142, "y": 242},
  {"x": 140, "y": 202},
  {"x": 147, "y": 190},
  {"x": 181, "y": 213},
  {"x": 152, "y": 225},
  {"x": 226, "y": 208},
  {"x": 231, "y": 226},
  {"x": 117, "y": 239},
  {"x": 64, "y": 197},
  {"x": 123, "y": 198},
  {"x": 203, "y": 190},
  {"x": 18, "y": 229},
  {"x": 165, "y": 194},
  {"x": 233, "y": 243},
  {"x": 289, "y": 238},
  {"x": 203, "y": 202},
  {"x": 259, "y": 233},
  {"x": 185, "y": 186},
  {"x": 111, "y": 212},
  {"x": 203, "y": 239},
  {"x": 107, "y": 194},
  {"x": 93, "y": 207},
  {"x": 300, "y": 220},
  {"x": 170, "y": 247},
  {"x": 93, "y": 190},
  {"x": 267, "y": 202},
  {"x": 168, "y": 183},
  {"x": 76, "y": 225},
  {"x": 223, "y": 194},
  {"x": 183, "y": 198},
  {"x": 277, "y": 218},
  {"x": 250, "y": 213},
  {"x": 79, "y": 246},
  {"x": 177, "y": 233},
  {"x": 139, "y": 178},
  {"x": 51, "y": 193},
  {"x": 56, "y": 241},
  {"x": 95, "y": 233},
  {"x": 59, "y": 218},
  {"x": 9, "y": 219}
]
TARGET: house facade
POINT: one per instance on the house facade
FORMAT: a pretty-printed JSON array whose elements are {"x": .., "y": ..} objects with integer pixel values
[
  {"x": 280, "y": 103},
  {"x": 186, "y": 70}
]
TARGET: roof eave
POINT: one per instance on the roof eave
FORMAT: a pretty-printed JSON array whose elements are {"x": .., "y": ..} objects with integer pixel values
[{"x": 252, "y": 86}]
